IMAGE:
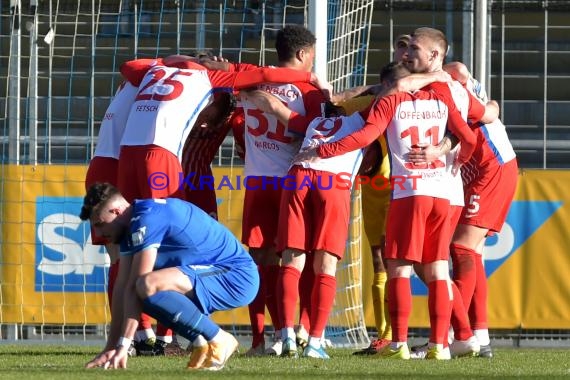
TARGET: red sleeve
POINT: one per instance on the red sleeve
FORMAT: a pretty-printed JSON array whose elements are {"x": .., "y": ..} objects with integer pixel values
[
  {"x": 237, "y": 67},
  {"x": 461, "y": 130},
  {"x": 246, "y": 79},
  {"x": 297, "y": 123},
  {"x": 237, "y": 122},
  {"x": 476, "y": 108},
  {"x": 314, "y": 101},
  {"x": 187, "y": 65},
  {"x": 135, "y": 70},
  {"x": 380, "y": 116}
]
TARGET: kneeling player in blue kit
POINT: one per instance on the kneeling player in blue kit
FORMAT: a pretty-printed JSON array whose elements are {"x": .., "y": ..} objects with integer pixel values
[{"x": 178, "y": 265}]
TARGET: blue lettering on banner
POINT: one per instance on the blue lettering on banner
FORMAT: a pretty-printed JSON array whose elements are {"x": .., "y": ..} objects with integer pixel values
[
  {"x": 523, "y": 220},
  {"x": 65, "y": 259}
]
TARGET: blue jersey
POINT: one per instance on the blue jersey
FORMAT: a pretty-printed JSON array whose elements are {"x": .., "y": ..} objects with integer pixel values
[{"x": 182, "y": 233}]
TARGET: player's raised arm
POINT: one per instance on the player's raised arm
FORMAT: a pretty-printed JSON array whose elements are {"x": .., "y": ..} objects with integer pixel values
[
  {"x": 247, "y": 79},
  {"x": 353, "y": 92},
  {"x": 458, "y": 71},
  {"x": 294, "y": 121},
  {"x": 415, "y": 82},
  {"x": 380, "y": 115},
  {"x": 135, "y": 70},
  {"x": 268, "y": 103},
  {"x": 491, "y": 110},
  {"x": 376, "y": 123}
]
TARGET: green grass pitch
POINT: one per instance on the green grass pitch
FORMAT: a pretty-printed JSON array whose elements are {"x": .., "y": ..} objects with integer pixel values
[{"x": 44, "y": 362}]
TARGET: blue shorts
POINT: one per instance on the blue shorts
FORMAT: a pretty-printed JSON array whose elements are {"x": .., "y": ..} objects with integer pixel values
[{"x": 223, "y": 287}]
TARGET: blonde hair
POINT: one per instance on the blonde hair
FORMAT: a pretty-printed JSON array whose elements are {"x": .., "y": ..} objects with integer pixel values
[{"x": 436, "y": 37}]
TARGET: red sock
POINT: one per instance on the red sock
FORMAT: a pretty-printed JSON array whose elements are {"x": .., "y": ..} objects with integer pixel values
[
  {"x": 257, "y": 312},
  {"x": 400, "y": 306},
  {"x": 271, "y": 273},
  {"x": 439, "y": 310},
  {"x": 305, "y": 290},
  {"x": 478, "y": 308},
  {"x": 464, "y": 271},
  {"x": 446, "y": 335},
  {"x": 162, "y": 330},
  {"x": 322, "y": 300},
  {"x": 144, "y": 322},
  {"x": 459, "y": 317},
  {"x": 288, "y": 293}
]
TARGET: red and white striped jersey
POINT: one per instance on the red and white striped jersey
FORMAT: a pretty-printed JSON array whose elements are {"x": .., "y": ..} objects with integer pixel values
[{"x": 202, "y": 145}]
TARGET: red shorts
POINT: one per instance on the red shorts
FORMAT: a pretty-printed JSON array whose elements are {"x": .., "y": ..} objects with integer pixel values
[
  {"x": 418, "y": 229},
  {"x": 314, "y": 217},
  {"x": 101, "y": 169},
  {"x": 148, "y": 171},
  {"x": 454, "y": 215},
  {"x": 489, "y": 196},
  {"x": 260, "y": 212}
]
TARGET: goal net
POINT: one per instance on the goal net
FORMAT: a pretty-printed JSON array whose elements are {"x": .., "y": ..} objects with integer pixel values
[{"x": 59, "y": 64}]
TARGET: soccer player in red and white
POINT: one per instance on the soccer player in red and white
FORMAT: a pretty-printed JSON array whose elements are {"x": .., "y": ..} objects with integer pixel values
[
  {"x": 270, "y": 147},
  {"x": 314, "y": 218},
  {"x": 490, "y": 179},
  {"x": 426, "y": 53},
  {"x": 418, "y": 219},
  {"x": 466, "y": 262},
  {"x": 314, "y": 222},
  {"x": 103, "y": 166}
]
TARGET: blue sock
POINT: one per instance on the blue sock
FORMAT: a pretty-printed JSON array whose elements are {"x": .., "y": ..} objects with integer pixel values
[{"x": 178, "y": 312}]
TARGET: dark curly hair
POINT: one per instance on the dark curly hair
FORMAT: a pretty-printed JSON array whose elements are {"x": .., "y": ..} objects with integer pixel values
[
  {"x": 96, "y": 196},
  {"x": 291, "y": 39}
]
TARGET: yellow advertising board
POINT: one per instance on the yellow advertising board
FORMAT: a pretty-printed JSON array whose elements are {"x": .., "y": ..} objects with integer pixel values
[
  {"x": 52, "y": 274},
  {"x": 529, "y": 288}
]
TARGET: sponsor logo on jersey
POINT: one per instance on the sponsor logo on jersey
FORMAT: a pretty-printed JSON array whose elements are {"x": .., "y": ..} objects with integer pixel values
[{"x": 137, "y": 237}]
